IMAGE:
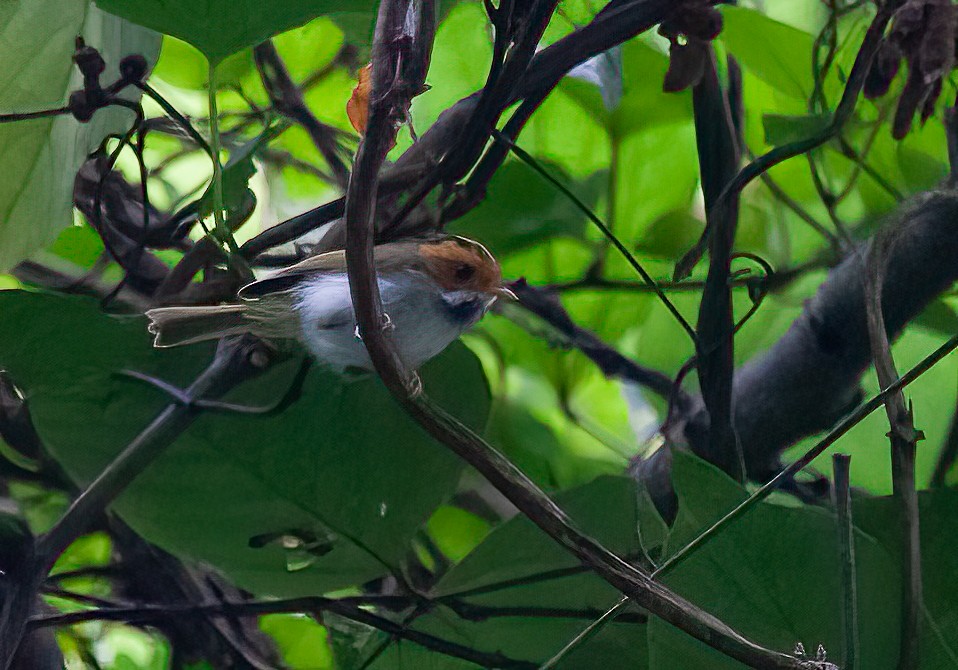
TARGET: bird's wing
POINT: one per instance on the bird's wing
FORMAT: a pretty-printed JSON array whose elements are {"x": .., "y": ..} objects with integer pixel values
[
  {"x": 389, "y": 257},
  {"x": 287, "y": 278}
]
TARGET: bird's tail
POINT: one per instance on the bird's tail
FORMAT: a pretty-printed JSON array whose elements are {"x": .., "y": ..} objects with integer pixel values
[{"x": 174, "y": 326}]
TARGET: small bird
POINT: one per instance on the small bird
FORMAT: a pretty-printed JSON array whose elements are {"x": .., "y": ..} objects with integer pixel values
[{"x": 432, "y": 291}]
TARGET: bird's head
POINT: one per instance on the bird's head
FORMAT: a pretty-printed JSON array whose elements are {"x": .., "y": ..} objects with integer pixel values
[{"x": 468, "y": 275}]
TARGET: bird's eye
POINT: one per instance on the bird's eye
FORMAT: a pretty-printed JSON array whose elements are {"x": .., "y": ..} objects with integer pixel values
[{"x": 464, "y": 272}]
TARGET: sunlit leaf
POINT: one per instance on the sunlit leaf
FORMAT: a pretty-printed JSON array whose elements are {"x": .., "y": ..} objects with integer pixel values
[
  {"x": 220, "y": 28},
  {"x": 776, "y": 53},
  {"x": 42, "y": 156}
]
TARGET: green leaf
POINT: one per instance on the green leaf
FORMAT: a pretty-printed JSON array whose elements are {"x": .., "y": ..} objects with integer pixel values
[
  {"x": 643, "y": 104},
  {"x": 776, "y": 53},
  {"x": 656, "y": 173},
  {"x": 784, "y": 128},
  {"x": 302, "y": 641},
  {"x": 80, "y": 245},
  {"x": 773, "y": 575},
  {"x": 456, "y": 532},
  {"x": 597, "y": 84},
  {"x": 182, "y": 65},
  {"x": 42, "y": 156},
  {"x": 220, "y": 28},
  {"x": 939, "y": 522},
  {"x": 517, "y": 565},
  {"x": 670, "y": 235},
  {"x": 920, "y": 170},
  {"x": 459, "y": 63},
  {"x": 343, "y": 464}
]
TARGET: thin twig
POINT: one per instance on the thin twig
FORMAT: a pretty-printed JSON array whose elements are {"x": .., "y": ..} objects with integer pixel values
[
  {"x": 904, "y": 438},
  {"x": 605, "y": 230},
  {"x": 343, "y": 607},
  {"x": 846, "y": 555}
]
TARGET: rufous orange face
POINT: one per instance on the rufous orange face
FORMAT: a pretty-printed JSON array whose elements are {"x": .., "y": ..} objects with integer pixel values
[{"x": 462, "y": 265}]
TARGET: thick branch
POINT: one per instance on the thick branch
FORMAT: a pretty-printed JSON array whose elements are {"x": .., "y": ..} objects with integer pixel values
[{"x": 809, "y": 378}]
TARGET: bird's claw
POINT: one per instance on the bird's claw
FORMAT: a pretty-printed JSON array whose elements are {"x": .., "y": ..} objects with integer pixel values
[
  {"x": 386, "y": 324},
  {"x": 414, "y": 385}
]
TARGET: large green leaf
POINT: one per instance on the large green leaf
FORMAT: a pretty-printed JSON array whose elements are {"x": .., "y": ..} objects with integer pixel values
[
  {"x": 773, "y": 575},
  {"x": 776, "y": 53},
  {"x": 220, "y": 28},
  {"x": 42, "y": 156},
  {"x": 517, "y": 565},
  {"x": 343, "y": 463}
]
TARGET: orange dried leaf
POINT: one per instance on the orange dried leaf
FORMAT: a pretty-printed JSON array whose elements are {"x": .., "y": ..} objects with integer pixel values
[{"x": 357, "y": 109}]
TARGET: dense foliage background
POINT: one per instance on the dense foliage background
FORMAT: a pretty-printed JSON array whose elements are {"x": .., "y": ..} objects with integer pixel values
[{"x": 332, "y": 531}]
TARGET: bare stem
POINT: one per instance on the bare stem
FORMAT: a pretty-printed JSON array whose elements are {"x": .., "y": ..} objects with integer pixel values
[{"x": 846, "y": 546}]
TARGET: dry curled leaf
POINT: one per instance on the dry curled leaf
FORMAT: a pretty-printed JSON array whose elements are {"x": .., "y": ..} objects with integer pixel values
[
  {"x": 923, "y": 34},
  {"x": 357, "y": 108},
  {"x": 686, "y": 65},
  {"x": 689, "y": 32}
]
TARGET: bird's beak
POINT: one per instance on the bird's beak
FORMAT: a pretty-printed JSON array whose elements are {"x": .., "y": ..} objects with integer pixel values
[{"x": 505, "y": 293}]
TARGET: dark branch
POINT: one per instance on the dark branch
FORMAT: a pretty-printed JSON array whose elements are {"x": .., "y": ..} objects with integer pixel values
[
  {"x": 809, "y": 378},
  {"x": 718, "y": 160},
  {"x": 846, "y": 107}
]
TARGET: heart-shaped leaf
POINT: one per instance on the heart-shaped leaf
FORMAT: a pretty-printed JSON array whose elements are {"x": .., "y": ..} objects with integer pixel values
[{"x": 323, "y": 495}]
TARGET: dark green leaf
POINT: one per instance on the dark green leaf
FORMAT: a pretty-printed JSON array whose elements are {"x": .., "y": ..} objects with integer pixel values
[
  {"x": 343, "y": 464},
  {"x": 939, "y": 524},
  {"x": 220, "y": 28},
  {"x": 773, "y": 575},
  {"x": 784, "y": 128},
  {"x": 519, "y": 566}
]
